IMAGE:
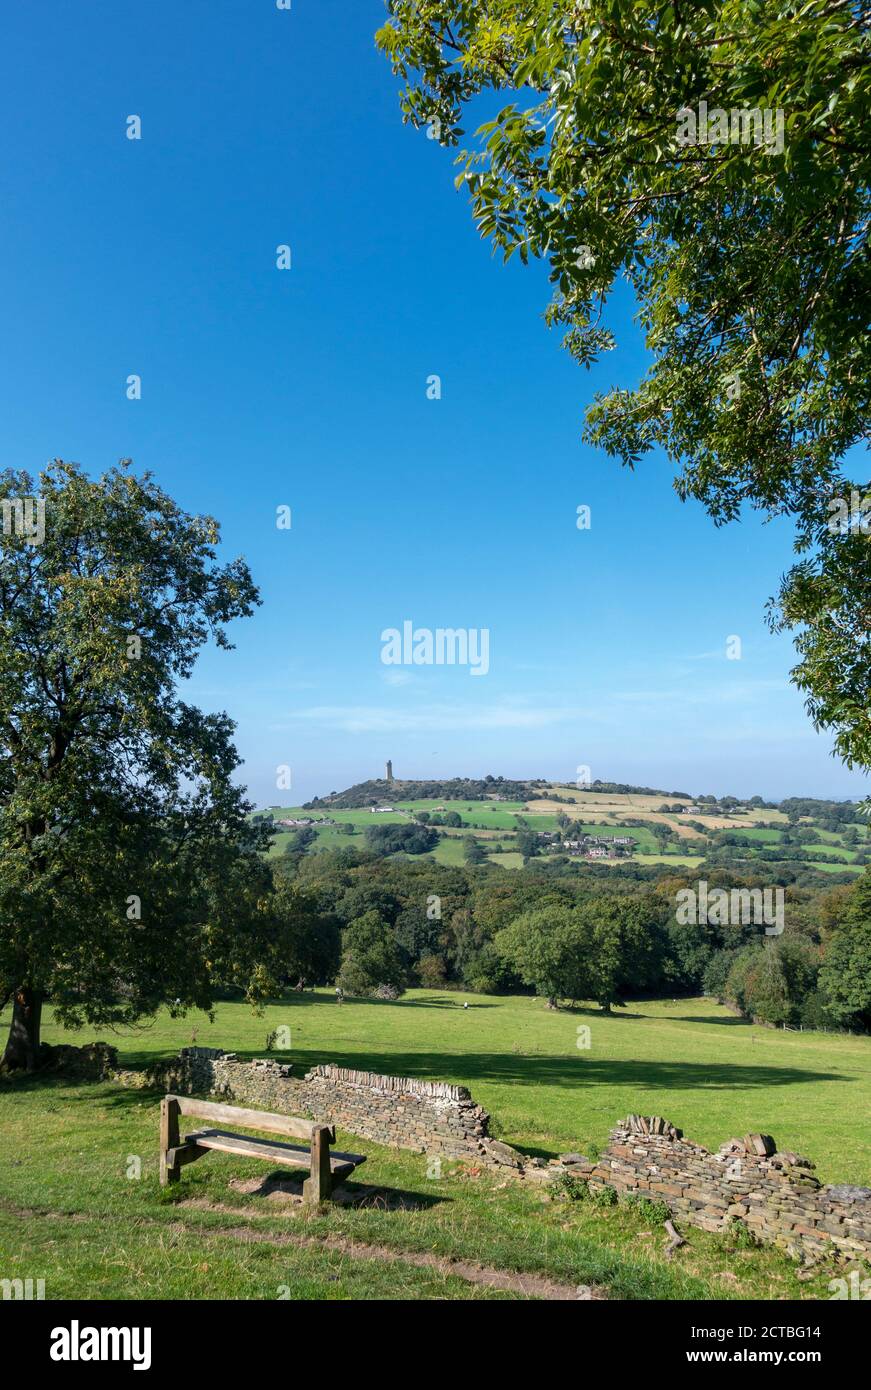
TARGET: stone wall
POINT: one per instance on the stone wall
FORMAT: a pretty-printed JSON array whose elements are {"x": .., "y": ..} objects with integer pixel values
[
  {"x": 774, "y": 1195},
  {"x": 96, "y": 1061},
  {"x": 424, "y": 1116}
]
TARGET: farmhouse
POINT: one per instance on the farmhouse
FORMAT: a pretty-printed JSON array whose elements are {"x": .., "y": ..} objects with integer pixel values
[{"x": 600, "y": 846}]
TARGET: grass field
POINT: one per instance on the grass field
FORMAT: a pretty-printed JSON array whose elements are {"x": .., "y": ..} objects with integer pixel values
[
  {"x": 509, "y": 859},
  {"x": 691, "y": 1060},
  {"x": 94, "y": 1232}
]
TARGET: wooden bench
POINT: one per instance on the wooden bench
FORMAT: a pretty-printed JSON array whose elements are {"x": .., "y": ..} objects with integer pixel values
[{"x": 325, "y": 1170}]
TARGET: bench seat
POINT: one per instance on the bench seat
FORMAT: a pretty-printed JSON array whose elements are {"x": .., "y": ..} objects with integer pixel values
[
  {"x": 325, "y": 1170},
  {"x": 289, "y": 1155}
]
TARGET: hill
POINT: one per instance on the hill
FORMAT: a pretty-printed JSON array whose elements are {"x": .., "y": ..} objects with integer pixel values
[{"x": 379, "y": 790}]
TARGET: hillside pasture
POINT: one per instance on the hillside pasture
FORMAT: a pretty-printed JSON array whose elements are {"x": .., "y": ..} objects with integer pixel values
[{"x": 84, "y": 1177}]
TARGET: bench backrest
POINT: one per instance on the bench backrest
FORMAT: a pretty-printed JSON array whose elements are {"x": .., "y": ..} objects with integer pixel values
[{"x": 238, "y": 1118}]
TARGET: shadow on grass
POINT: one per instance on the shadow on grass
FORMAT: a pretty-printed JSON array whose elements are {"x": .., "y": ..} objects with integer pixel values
[
  {"x": 466, "y": 1068},
  {"x": 454, "y": 1000},
  {"x": 575, "y": 1071},
  {"x": 356, "y": 1194},
  {"x": 732, "y": 1021},
  {"x": 75, "y": 1088}
]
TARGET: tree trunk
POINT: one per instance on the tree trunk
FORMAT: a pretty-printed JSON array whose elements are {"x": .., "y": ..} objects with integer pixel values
[{"x": 22, "y": 1045}]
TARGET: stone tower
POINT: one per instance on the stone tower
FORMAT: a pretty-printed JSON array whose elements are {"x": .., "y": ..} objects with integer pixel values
[{"x": 389, "y": 770}]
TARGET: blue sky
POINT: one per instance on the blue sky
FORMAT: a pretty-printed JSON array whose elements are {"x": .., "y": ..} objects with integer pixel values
[{"x": 308, "y": 388}]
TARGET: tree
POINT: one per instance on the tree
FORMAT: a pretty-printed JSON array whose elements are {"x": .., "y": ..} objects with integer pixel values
[
  {"x": 130, "y": 875},
  {"x": 431, "y": 970},
  {"x": 716, "y": 157},
  {"x": 407, "y": 839},
  {"x": 737, "y": 982},
  {"x": 370, "y": 957},
  {"x": 474, "y": 852},
  {"x": 301, "y": 841},
  {"x": 845, "y": 975},
  {"x": 306, "y": 943},
  {"x": 624, "y": 933},
  {"x": 662, "y": 833},
  {"x": 766, "y": 991},
  {"x": 717, "y": 974},
  {"x": 527, "y": 843},
  {"x": 550, "y": 949}
]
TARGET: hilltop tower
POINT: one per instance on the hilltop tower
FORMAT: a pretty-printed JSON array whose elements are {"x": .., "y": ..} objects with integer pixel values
[{"x": 389, "y": 770}]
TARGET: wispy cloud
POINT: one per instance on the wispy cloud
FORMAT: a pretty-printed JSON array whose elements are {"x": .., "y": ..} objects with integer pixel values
[
  {"x": 382, "y": 719},
  {"x": 724, "y": 692}
]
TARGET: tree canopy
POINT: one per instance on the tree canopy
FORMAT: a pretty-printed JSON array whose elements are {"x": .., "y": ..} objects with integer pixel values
[{"x": 130, "y": 874}]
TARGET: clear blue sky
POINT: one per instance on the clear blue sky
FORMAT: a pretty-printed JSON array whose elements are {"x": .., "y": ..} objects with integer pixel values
[{"x": 308, "y": 388}]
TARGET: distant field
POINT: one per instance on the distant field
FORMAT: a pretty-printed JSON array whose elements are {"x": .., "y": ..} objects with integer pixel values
[
  {"x": 449, "y": 851},
  {"x": 644, "y": 838},
  {"x": 599, "y": 813},
  {"x": 756, "y": 833},
  {"x": 511, "y": 859},
  {"x": 830, "y": 866}
]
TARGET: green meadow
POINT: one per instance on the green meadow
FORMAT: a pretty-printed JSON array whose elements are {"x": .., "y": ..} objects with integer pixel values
[
  {"x": 691, "y": 1060},
  {"x": 81, "y": 1160}
]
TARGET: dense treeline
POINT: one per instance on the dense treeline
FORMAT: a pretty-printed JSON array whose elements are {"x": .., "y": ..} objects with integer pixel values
[
  {"x": 405, "y": 839},
  {"x": 605, "y": 934}
]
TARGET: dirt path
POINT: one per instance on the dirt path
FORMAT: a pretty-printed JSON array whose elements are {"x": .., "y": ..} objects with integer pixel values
[{"x": 529, "y": 1285}]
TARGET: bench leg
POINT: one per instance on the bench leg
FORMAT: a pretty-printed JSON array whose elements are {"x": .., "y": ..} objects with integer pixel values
[
  {"x": 319, "y": 1186},
  {"x": 169, "y": 1139}
]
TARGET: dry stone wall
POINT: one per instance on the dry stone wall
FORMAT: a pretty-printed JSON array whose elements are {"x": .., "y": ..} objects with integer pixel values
[
  {"x": 424, "y": 1116},
  {"x": 775, "y": 1195}
]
